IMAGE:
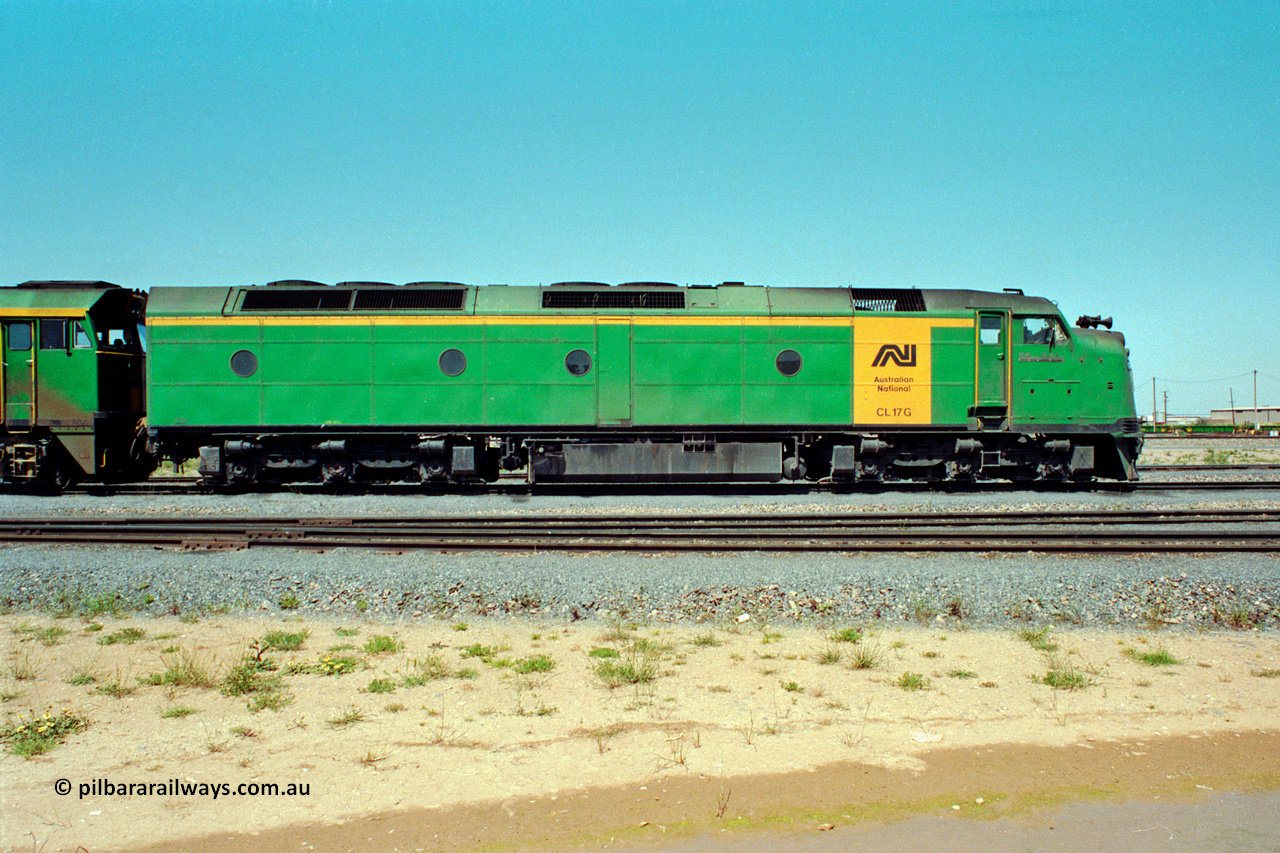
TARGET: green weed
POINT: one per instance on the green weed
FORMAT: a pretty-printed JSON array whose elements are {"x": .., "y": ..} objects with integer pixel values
[
  {"x": 183, "y": 669},
  {"x": 866, "y": 656},
  {"x": 1038, "y": 640},
  {"x": 382, "y": 645},
  {"x": 1062, "y": 675},
  {"x": 912, "y": 681},
  {"x": 424, "y": 670},
  {"x": 348, "y": 718},
  {"x": 128, "y": 635},
  {"x": 1160, "y": 657},
  {"x": 325, "y": 665},
  {"x": 283, "y": 641},
  {"x": 39, "y": 734},
  {"x": 536, "y": 663}
]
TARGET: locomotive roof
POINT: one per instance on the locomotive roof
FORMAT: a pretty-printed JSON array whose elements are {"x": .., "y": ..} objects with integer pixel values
[
  {"x": 305, "y": 297},
  {"x": 53, "y": 297}
]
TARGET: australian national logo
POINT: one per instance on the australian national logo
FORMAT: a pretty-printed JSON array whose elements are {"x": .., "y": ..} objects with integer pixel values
[{"x": 903, "y": 356}]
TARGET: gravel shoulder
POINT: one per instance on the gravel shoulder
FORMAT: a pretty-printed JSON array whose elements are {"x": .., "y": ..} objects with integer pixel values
[{"x": 994, "y": 590}]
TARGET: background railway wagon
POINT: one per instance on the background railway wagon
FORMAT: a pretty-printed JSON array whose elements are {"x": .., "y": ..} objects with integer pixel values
[
  {"x": 745, "y": 376},
  {"x": 71, "y": 385}
]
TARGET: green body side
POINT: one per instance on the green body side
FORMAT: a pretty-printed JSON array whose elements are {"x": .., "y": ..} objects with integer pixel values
[{"x": 711, "y": 364}]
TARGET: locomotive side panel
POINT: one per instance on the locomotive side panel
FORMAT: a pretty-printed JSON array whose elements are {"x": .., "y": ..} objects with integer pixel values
[
  {"x": 796, "y": 370},
  {"x": 409, "y": 383},
  {"x": 687, "y": 373},
  {"x": 952, "y": 395},
  {"x": 526, "y": 378},
  {"x": 195, "y": 378},
  {"x": 320, "y": 372},
  {"x": 894, "y": 381}
]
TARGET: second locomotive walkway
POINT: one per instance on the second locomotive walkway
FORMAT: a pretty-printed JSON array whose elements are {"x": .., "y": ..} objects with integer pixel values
[{"x": 1101, "y": 531}]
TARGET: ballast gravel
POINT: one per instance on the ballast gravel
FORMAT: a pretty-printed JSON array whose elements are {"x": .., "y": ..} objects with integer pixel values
[{"x": 983, "y": 589}]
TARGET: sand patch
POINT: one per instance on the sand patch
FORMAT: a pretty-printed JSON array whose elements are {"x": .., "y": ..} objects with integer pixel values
[{"x": 377, "y": 718}]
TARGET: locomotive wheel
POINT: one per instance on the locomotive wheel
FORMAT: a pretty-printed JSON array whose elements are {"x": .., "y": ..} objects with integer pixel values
[{"x": 65, "y": 476}]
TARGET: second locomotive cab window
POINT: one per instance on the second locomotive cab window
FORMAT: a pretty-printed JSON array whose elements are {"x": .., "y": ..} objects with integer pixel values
[
  {"x": 452, "y": 362},
  {"x": 19, "y": 337},
  {"x": 788, "y": 362},
  {"x": 53, "y": 334},
  {"x": 578, "y": 362}
]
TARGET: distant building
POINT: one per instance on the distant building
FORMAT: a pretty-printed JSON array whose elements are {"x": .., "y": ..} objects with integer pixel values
[{"x": 1246, "y": 415}]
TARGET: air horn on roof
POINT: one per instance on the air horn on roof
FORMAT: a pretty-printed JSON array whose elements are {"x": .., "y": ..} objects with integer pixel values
[{"x": 1087, "y": 322}]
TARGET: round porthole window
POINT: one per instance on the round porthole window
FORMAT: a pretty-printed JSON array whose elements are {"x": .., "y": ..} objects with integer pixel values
[
  {"x": 578, "y": 362},
  {"x": 452, "y": 362},
  {"x": 788, "y": 362},
  {"x": 244, "y": 364}
]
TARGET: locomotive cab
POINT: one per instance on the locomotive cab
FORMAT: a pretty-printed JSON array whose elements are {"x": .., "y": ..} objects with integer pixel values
[{"x": 71, "y": 384}]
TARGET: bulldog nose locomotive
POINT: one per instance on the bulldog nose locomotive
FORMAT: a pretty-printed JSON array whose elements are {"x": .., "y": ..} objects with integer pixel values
[{"x": 446, "y": 383}]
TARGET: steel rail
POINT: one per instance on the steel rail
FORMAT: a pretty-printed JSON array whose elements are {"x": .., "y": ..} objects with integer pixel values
[
  {"x": 594, "y": 521},
  {"x": 1081, "y": 532}
]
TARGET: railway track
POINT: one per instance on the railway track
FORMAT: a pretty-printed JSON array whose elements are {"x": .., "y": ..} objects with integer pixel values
[
  {"x": 191, "y": 485},
  {"x": 1095, "y": 531}
]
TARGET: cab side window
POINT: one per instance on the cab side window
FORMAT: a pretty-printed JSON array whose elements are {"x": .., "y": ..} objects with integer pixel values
[
  {"x": 19, "y": 335},
  {"x": 1042, "y": 330},
  {"x": 82, "y": 339},
  {"x": 989, "y": 329},
  {"x": 53, "y": 334}
]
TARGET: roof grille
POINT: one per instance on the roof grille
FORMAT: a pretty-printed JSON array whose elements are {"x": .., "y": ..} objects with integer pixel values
[
  {"x": 643, "y": 299},
  {"x": 434, "y": 298},
  {"x": 311, "y": 299},
  {"x": 867, "y": 299},
  {"x": 362, "y": 299}
]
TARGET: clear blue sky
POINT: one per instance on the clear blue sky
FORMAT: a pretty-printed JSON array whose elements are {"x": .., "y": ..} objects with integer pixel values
[{"x": 1121, "y": 158}]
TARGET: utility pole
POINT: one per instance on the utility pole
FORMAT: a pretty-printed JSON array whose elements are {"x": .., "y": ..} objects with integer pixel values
[
  {"x": 1155, "y": 411},
  {"x": 1166, "y": 406},
  {"x": 1231, "y": 394}
]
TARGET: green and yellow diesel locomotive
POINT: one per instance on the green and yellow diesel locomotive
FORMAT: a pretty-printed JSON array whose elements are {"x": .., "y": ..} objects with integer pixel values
[
  {"x": 71, "y": 384},
  {"x": 447, "y": 383}
]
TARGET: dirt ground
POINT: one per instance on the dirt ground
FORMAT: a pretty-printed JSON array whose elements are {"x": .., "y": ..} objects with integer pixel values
[{"x": 514, "y": 734}]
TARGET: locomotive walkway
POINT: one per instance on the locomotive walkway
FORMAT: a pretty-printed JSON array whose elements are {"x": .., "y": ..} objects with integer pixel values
[{"x": 1080, "y": 532}]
